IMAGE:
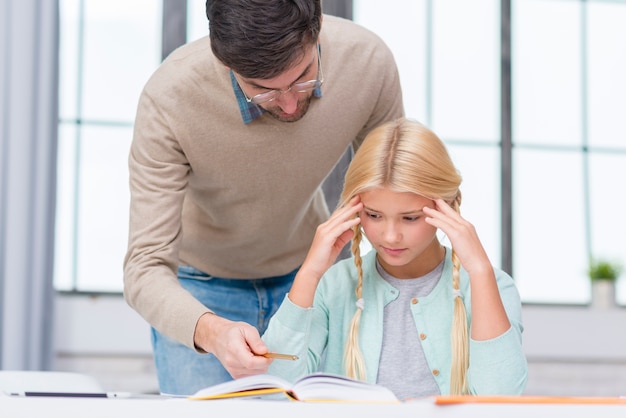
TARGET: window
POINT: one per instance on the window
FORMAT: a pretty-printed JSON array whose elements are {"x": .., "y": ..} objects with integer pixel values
[
  {"x": 568, "y": 138},
  {"x": 568, "y": 141},
  {"x": 109, "y": 48}
]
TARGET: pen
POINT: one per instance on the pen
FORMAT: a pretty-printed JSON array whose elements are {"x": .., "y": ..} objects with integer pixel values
[
  {"x": 74, "y": 394},
  {"x": 280, "y": 356}
]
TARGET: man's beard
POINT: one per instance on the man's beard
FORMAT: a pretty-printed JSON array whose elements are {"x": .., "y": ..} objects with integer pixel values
[{"x": 277, "y": 113}]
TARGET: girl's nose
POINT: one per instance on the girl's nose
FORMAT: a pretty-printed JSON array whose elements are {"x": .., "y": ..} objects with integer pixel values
[{"x": 392, "y": 232}]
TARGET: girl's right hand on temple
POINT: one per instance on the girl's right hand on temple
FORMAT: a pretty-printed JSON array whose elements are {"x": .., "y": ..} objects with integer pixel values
[{"x": 330, "y": 238}]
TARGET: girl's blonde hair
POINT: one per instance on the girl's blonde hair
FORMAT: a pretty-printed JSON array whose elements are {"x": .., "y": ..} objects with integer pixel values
[{"x": 405, "y": 156}]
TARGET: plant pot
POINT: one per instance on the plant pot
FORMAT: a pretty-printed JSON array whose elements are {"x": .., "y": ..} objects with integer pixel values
[{"x": 603, "y": 294}]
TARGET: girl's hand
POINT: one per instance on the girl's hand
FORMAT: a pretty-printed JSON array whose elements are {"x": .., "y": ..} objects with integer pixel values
[
  {"x": 329, "y": 240},
  {"x": 462, "y": 235},
  {"x": 489, "y": 318},
  {"x": 331, "y": 236}
]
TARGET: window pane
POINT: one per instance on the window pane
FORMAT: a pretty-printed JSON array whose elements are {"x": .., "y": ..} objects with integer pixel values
[
  {"x": 607, "y": 204},
  {"x": 549, "y": 250},
  {"x": 408, "y": 45},
  {"x": 465, "y": 68},
  {"x": 103, "y": 201},
  {"x": 606, "y": 68},
  {"x": 69, "y": 38},
  {"x": 480, "y": 169},
  {"x": 122, "y": 47},
  {"x": 546, "y": 61},
  {"x": 197, "y": 23},
  {"x": 65, "y": 209}
]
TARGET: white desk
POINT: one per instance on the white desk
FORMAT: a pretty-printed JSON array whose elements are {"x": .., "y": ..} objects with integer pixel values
[{"x": 20, "y": 407}]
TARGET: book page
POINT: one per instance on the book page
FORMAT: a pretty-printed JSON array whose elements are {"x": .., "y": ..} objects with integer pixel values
[
  {"x": 257, "y": 385},
  {"x": 320, "y": 387}
]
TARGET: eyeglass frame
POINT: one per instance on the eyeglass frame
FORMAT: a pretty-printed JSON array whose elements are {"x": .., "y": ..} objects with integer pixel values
[{"x": 276, "y": 93}]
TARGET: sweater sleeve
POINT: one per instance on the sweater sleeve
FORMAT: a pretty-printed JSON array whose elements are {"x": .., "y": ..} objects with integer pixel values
[
  {"x": 159, "y": 173},
  {"x": 498, "y": 366},
  {"x": 288, "y": 332}
]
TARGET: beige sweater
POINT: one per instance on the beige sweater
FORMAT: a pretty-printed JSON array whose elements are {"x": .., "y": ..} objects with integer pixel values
[{"x": 235, "y": 200}]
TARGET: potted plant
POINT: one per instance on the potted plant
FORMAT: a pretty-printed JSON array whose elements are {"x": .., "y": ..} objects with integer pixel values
[{"x": 603, "y": 275}]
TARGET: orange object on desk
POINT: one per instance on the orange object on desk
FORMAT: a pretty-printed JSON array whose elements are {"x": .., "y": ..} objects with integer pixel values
[{"x": 522, "y": 399}]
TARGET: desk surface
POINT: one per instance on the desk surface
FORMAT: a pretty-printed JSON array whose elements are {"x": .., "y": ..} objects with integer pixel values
[{"x": 154, "y": 408}]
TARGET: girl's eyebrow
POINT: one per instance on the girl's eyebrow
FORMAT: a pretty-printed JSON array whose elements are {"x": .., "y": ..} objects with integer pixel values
[{"x": 411, "y": 212}]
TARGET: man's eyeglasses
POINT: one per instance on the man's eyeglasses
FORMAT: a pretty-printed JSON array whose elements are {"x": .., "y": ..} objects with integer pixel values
[{"x": 302, "y": 87}]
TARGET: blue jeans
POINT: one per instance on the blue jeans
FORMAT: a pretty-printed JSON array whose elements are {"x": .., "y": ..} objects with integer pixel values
[{"x": 183, "y": 371}]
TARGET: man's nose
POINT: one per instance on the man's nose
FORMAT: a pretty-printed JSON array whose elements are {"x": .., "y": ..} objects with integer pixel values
[{"x": 288, "y": 101}]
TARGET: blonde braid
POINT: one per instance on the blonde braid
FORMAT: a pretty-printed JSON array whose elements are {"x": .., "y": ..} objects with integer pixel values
[
  {"x": 354, "y": 364},
  {"x": 460, "y": 335}
]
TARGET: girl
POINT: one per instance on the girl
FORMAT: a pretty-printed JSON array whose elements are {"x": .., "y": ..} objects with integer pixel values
[{"x": 412, "y": 315}]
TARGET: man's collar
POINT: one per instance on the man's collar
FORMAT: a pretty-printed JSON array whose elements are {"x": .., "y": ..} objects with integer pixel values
[{"x": 249, "y": 111}]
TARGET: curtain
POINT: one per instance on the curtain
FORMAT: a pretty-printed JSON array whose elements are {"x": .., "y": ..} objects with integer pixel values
[{"x": 29, "y": 39}]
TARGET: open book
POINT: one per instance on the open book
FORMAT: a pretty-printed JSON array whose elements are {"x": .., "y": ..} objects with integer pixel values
[{"x": 317, "y": 387}]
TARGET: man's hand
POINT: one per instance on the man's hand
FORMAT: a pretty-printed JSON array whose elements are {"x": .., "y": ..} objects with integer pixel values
[{"x": 237, "y": 345}]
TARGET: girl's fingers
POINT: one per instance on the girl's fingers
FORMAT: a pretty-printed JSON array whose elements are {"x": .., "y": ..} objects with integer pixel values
[
  {"x": 443, "y": 207},
  {"x": 347, "y": 212},
  {"x": 340, "y": 222}
]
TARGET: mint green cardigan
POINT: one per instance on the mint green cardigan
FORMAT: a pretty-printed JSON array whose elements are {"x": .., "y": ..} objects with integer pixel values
[{"x": 318, "y": 334}]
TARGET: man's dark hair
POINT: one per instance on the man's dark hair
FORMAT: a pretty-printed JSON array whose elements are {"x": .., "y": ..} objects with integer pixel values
[{"x": 262, "y": 38}]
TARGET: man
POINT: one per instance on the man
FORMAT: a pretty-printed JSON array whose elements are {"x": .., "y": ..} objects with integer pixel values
[{"x": 234, "y": 136}]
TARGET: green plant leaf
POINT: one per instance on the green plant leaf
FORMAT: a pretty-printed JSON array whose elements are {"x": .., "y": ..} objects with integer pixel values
[{"x": 604, "y": 270}]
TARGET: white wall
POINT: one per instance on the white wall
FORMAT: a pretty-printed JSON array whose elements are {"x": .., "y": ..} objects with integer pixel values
[
  {"x": 102, "y": 336},
  {"x": 572, "y": 350}
]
